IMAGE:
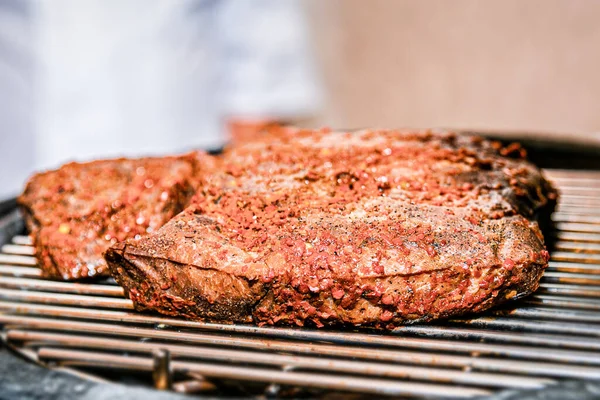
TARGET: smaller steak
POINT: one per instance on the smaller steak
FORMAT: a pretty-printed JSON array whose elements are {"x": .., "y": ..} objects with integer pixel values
[{"x": 78, "y": 211}]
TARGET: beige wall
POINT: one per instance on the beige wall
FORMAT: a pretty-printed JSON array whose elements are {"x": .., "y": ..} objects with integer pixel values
[{"x": 499, "y": 64}]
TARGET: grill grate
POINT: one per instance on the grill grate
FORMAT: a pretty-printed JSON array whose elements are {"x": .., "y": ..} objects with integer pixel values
[{"x": 533, "y": 343}]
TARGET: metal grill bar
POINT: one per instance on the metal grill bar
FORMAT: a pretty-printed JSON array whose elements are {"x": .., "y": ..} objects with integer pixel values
[
  {"x": 61, "y": 287},
  {"x": 296, "y": 362},
  {"x": 65, "y": 299},
  {"x": 564, "y": 289},
  {"x": 576, "y": 303},
  {"x": 14, "y": 270},
  {"x": 334, "y": 337},
  {"x": 577, "y": 218},
  {"x": 553, "y": 369},
  {"x": 583, "y": 258},
  {"x": 344, "y": 383},
  {"x": 17, "y": 259},
  {"x": 589, "y": 211},
  {"x": 579, "y": 247},
  {"x": 577, "y": 227},
  {"x": 23, "y": 240},
  {"x": 574, "y": 268},
  {"x": 568, "y": 277},
  {"x": 578, "y": 237},
  {"x": 18, "y": 249},
  {"x": 549, "y": 313},
  {"x": 466, "y": 333},
  {"x": 537, "y": 326},
  {"x": 526, "y": 344}
]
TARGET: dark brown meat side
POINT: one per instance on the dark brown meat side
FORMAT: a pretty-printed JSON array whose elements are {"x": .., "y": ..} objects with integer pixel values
[
  {"x": 375, "y": 228},
  {"x": 76, "y": 212}
]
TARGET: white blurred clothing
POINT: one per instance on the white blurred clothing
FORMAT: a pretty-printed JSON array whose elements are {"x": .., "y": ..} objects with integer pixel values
[
  {"x": 16, "y": 90},
  {"x": 142, "y": 77}
]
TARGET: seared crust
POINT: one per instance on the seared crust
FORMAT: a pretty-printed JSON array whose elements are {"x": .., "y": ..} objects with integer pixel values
[
  {"x": 375, "y": 228},
  {"x": 76, "y": 212}
]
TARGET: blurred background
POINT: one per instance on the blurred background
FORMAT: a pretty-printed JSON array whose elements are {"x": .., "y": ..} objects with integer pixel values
[
  {"x": 83, "y": 79},
  {"x": 499, "y": 64}
]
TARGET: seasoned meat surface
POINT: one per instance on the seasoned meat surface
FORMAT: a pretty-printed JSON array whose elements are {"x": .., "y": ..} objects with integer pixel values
[
  {"x": 76, "y": 212},
  {"x": 371, "y": 228}
]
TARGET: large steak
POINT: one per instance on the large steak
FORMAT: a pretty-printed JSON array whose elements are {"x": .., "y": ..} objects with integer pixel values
[{"x": 374, "y": 228}]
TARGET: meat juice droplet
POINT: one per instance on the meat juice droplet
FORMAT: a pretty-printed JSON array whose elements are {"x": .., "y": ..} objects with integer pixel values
[
  {"x": 64, "y": 228},
  {"x": 387, "y": 299},
  {"x": 140, "y": 171},
  {"x": 337, "y": 293},
  {"x": 386, "y": 316},
  {"x": 509, "y": 264}
]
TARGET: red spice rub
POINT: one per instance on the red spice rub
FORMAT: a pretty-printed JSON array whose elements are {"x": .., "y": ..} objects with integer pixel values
[
  {"x": 372, "y": 228},
  {"x": 78, "y": 211}
]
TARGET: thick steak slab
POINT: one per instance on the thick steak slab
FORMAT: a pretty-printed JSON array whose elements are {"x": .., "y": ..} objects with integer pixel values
[
  {"x": 374, "y": 228},
  {"x": 76, "y": 212}
]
